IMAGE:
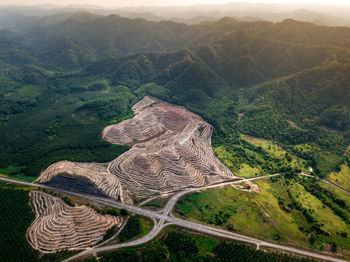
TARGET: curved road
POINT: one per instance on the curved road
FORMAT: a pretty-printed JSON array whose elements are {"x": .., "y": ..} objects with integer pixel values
[{"x": 166, "y": 218}]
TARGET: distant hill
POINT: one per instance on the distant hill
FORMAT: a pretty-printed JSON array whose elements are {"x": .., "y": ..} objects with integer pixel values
[
  {"x": 248, "y": 77},
  {"x": 82, "y": 38},
  {"x": 245, "y": 53}
]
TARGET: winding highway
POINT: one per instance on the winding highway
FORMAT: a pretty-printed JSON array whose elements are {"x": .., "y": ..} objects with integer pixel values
[{"x": 165, "y": 218}]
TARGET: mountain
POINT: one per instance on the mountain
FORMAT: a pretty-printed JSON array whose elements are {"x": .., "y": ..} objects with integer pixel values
[
  {"x": 242, "y": 77},
  {"x": 329, "y": 15},
  {"x": 247, "y": 54},
  {"x": 83, "y": 38},
  {"x": 262, "y": 97}
]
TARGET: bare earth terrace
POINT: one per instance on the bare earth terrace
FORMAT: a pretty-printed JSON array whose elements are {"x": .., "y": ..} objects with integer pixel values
[{"x": 170, "y": 151}]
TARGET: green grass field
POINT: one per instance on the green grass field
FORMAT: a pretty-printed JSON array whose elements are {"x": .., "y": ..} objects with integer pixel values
[
  {"x": 288, "y": 210},
  {"x": 341, "y": 178}
]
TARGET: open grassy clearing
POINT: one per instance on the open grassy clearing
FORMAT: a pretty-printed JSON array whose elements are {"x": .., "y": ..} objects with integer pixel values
[
  {"x": 337, "y": 193},
  {"x": 278, "y": 152},
  {"x": 257, "y": 156},
  {"x": 240, "y": 211},
  {"x": 232, "y": 159},
  {"x": 341, "y": 178},
  {"x": 291, "y": 210}
]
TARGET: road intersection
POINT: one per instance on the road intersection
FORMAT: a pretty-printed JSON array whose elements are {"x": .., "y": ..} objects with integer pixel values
[{"x": 165, "y": 218}]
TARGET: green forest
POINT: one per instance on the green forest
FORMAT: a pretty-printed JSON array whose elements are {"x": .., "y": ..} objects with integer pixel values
[
  {"x": 14, "y": 204},
  {"x": 274, "y": 81},
  {"x": 277, "y": 95}
]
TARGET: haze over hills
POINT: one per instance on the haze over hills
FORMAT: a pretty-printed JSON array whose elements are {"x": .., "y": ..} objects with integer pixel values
[
  {"x": 14, "y": 17},
  {"x": 72, "y": 41}
]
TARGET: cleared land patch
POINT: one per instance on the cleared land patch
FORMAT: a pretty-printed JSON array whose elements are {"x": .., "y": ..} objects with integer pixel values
[
  {"x": 171, "y": 150},
  {"x": 96, "y": 173},
  {"x": 59, "y": 226},
  {"x": 273, "y": 149}
]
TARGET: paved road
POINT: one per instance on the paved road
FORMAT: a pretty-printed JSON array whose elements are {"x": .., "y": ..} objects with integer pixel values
[
  {"x": 165, "y": 220},
  {"x": 327, "y": 182},
  {"x": 14, "y": 181}
]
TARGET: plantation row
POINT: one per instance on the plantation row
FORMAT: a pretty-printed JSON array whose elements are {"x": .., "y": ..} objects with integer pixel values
[
  {"x": 15, "y": 217},
  {"x": 171, "y": 150}
]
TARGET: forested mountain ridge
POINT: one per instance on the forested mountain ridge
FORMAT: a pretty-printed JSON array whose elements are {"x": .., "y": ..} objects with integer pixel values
[
  {"x": 242, "y": 77},
  {"x": 276, "y": 94},
  {"x": 84, "y": 38},
  {"x": 238, "y": 59}
]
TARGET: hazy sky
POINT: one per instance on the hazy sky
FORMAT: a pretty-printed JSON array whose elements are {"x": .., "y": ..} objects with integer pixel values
[{"x": 123, "y": 3}]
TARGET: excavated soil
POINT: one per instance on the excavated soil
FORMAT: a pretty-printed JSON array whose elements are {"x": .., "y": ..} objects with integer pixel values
[
  {"x": 59, "y": 226},
  {"x": 76, "y": 184},
  {"x": 96, "y": 174},
  {"x": 171, "y": 150}
]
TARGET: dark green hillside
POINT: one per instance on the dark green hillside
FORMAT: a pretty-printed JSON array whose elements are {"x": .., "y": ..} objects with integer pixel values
[
  {"x": 277, "y": 96},
  {"x": 15, "y": 217},
  {"x": 241, "y": 57},
  {"x": 307, "y": 34},
  {"x": 274, "y": 81},
  {"x": 56, "y": 118},
  {"x": 85, "y": 37},
  {"x": 72, "y": 41}
]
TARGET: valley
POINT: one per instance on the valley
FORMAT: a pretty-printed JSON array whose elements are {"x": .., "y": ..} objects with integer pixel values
[
  {"x": 156, "y": 130},
  {"x": 131, "y": 140}
]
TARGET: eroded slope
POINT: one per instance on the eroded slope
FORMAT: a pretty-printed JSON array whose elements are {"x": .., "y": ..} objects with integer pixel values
[
  {"x": 171, "y": 150},
  {"x": 59, "y": 226},
  {"x": 96, "y": 173}
]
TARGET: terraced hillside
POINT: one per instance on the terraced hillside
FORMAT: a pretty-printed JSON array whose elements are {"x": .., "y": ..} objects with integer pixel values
[
  {"x": 59, "y": 226},
  {"x": 95, "y": 173},
  {"x": 171, "y": 150}
]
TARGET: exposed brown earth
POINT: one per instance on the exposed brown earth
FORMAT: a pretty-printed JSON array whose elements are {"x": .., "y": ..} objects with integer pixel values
[
  {"x": 96, "y": 173},
  {"x": 59, "y": 226},
  {"x": 247, "y": 186},
  {"x": 293, "y": 124},
  {"x": 171, "y": 150}
]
